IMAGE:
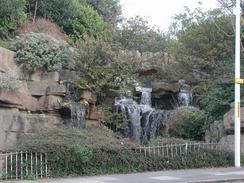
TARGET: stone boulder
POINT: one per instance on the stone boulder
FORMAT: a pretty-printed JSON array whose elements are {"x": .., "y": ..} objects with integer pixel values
[
  {"x": 14, "y": 123},
  {"x": 88, "y": 96},
  {"x": 37, "y": 88},
  {"x": 67, "y": 75},
  {"x": 15, "y": 99},
  {"x": 94, "y": 113},
  {"x": 49, "y": 103},
  {"x": 9, "y": 98},
  {"x": 6, "y": 60},
  {"x": 215, "y": 132},
  {"x": 42, "y": 75},
  {"x": 165, "y": 87},
  {"x": 57, "y": 90},
  {"x": 229, "y": 120}
]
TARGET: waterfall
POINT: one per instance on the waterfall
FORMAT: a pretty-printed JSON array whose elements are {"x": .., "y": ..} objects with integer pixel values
[
  {"x": 185, "y": 98},
  {"x": 146, "y": 96},
  {"x": 77, "y": 109},
  {"x": 78, "y": 113},
  {"x": 143, "y": 121}
]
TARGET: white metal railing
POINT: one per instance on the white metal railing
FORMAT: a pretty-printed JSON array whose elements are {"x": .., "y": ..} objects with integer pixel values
[
  {"x": 172, "y": 150},
  {"x": 23, "y": 165}
]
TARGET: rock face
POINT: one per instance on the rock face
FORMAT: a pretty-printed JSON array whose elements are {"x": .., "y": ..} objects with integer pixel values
[
  {"x": 223, "y": 131},
  {"x": 229, "y": 120},
  {"x": 38, "y": 102},
  {"x": 14, "y": 123}
]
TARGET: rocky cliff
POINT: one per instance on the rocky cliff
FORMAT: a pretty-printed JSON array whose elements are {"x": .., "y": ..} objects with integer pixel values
[{"x": 38, "y": 103}]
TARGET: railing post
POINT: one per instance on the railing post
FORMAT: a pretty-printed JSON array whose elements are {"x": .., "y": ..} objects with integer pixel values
[
  {"x": 186, "y": 148},
  {"x": 6, "y": 166}
]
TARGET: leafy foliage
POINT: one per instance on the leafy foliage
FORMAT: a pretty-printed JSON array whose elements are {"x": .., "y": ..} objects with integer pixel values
[
  {"x": 99, "y": 65},
  {"x": 12, "y": 15},
  {"x": 216, "y": 102},
  {"x": 187, "y": 124},
  {"x": 76, "y": 19},
  {"x": 204, "y": 44},
  {"x": 99, "y": 151},
  {"x": 136, "y": 34},
  {"x": 110, "y": 10},
  {"x": 37, "y": 51}
]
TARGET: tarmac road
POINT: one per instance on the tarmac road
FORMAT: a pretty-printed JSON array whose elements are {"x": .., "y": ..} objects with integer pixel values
[{"x": 215, "y": 175}]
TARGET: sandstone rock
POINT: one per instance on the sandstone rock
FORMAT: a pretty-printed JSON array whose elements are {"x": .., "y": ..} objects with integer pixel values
[
  {"x": 14, "y": 123},
  {"x": 88, "y": 96},
  {"x": 53, "y": 77},
  {"x": 49, "y": 103},
  {"x": 28, "y": 102},
  {"x": 37, "y": 88},
  {"x": 229, "y": 120},
  {"x": 67, "y": 75},
  {"x": 10, "y": 99},
  {"x": 57, "y": 90},
  {"x": 7, "y": 61},
  {"x": 14, "y": 99},
  {"x": 94, "y": 114},
  {"x": 163, "y": 86},
  {"x": 215, "y": 132},
  {"x": 36, "y": 76}
]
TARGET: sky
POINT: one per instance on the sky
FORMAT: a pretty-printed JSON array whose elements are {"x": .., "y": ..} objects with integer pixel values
[{"x": 160, "y": 12}]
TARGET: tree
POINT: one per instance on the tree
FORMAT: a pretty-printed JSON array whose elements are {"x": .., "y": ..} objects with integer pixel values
[
  {"x": 100, "y": 66},
  {"x": 12, "y": 15},
  {"x": 110, "y": 10},
  {"x": 136, "y": 34},
  {"x": 75, "y": 19},
  {"x": 203, "y": 44}
]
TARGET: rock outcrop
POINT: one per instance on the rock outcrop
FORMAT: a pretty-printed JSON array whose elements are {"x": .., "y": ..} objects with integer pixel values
[{"x": 37, "y": 103}]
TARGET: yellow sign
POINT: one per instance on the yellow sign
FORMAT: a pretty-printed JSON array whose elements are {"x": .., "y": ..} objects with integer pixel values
[{"x": 240, "y": 81}]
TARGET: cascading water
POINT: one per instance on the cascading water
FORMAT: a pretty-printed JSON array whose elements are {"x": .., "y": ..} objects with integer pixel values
[
  {"x": 185, "y": 98},
  {"x": 143, "y": 121},
  {"x": 77, "y": 113},
  {"x": 77, "y": 109}
]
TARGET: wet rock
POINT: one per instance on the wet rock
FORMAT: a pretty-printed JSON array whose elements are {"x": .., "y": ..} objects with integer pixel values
[{"x": 88, "y": 96}]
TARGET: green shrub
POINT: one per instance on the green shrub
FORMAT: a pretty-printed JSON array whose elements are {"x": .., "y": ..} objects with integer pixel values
[
  {"x": 99, "y": 151},
  {"x": 75, "y": 19},
  {"x": 187, "y": 123},
  {"x": 37, "y": 51},
  {"x": 12, "y": 15},
  {"x": 99, "y": 64},
  {"x": 87, "y": 21}
]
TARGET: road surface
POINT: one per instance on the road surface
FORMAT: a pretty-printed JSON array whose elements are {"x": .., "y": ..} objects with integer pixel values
[{"x": 175, "y": 176}]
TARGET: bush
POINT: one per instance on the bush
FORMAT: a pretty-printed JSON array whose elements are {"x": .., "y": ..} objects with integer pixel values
[
  {"x": 12, "y": 15},
  {"x": 75, "y": 19},
  {"x": 99, "y": 151},
  {"x": 9, "y": 80},
  {"x": 38, "y": 51},
  {"x": 99, "y": 65},
  {"x": 42, "y": 25},
  {"x": 187, "y": 123}
]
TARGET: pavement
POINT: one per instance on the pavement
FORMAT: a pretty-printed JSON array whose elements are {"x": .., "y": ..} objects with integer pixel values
[{"x": 214, "y": 175}]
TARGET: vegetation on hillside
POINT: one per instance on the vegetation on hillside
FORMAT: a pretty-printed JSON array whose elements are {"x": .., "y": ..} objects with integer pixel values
[{"x": 92, "y": 38}]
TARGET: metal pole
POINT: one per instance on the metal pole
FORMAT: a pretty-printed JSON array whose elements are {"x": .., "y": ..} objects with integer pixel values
[{"x": 237, "y": 86}]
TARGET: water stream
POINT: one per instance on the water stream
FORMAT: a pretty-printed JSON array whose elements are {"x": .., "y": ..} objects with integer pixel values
[
  {"x": 143, "y": 121},
  {"x": 185, "y": 98},
  {"x": 77, "y": 109}
]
